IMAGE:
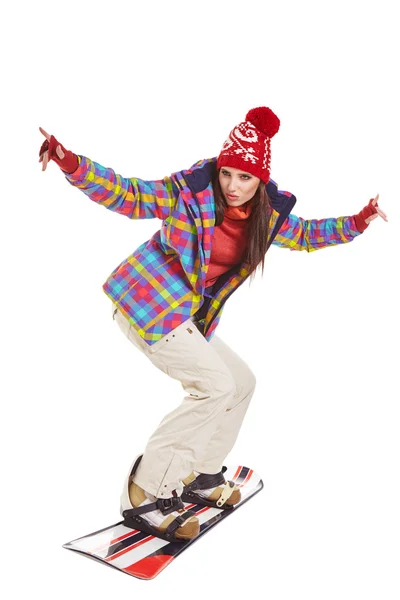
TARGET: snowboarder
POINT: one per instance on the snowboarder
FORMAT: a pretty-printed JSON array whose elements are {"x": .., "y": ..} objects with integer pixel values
[{"x": 218, "y": 220}]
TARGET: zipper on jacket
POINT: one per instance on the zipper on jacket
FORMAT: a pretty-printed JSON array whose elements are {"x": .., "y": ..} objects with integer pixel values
[{"x": 222, "y": 304}]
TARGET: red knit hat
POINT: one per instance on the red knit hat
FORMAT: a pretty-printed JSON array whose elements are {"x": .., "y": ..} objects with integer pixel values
[{"x": 248, "y": 144}]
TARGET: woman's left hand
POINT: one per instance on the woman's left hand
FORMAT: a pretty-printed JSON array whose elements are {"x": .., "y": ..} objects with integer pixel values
[{"x": 368, "y": 214}]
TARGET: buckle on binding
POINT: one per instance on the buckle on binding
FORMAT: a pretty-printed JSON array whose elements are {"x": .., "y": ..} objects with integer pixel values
[{"x": 169, "y": 505}]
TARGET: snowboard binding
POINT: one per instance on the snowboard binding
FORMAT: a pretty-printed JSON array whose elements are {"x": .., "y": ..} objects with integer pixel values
[
  {"x": 205, "y": 482},
  {"x": 133, "y": 520}
]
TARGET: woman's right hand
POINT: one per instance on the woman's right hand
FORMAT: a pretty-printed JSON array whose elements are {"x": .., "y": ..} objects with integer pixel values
[{"x": 51, "y": 149}]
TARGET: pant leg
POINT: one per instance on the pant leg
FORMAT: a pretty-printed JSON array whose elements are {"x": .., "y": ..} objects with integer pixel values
[
  {"x": 227, "y": 432},
  {"x": 180, "y": 440}
]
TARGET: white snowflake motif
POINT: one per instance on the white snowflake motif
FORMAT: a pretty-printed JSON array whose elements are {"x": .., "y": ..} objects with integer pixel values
[{"x": 247, "y": 154}]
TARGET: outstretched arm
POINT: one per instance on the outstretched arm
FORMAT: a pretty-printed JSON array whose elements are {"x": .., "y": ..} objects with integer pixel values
[
  {"x": 310, "y": 235},
  {"x": 135, "y": 198}
]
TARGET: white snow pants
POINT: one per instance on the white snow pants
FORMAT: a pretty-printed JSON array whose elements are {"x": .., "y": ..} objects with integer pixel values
[{"x": 202, "y": 430}]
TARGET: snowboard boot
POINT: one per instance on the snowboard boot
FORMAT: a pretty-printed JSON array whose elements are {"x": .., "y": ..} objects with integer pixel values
[
  {"x": 210, "y": 490},
  {"x": 165, "y": 518}
]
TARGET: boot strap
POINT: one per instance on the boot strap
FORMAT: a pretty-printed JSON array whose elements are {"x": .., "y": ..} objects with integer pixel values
[
  {"x": 205, "y": 481},
  {"x": 135, "y": 522},
  {"x": 179, "y": 521},
  {"x": 165, "y": 505}
]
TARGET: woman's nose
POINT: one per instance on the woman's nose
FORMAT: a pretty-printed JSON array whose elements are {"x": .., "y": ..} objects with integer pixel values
[{"x": 232, "y": 186}]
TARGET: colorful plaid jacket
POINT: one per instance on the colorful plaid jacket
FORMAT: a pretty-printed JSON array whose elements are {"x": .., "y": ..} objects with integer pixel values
[{"x": 162, "y": 283}]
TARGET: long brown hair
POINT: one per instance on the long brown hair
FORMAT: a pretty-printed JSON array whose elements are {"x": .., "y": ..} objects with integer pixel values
[{"x": 258, "y": 224}]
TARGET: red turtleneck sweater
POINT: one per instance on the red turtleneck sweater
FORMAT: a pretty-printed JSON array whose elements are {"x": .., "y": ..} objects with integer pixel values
[{"x": 229, "y": 241}]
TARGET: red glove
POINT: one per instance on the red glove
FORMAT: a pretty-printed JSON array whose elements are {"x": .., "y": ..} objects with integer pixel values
[
  {"x": 366, "y": 212},
  {"x": 68, "y": 164}
]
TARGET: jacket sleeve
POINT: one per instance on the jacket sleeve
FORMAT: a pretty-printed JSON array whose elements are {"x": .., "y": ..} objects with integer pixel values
[
  {"x": 132, "y": 197},
  {"x": 310, "y": 235}
]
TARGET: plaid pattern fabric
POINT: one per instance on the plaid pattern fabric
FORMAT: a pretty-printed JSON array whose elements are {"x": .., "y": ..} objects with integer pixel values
[
  {"x": 161, "y": 284},
  {"x": 311, "y": 235}
]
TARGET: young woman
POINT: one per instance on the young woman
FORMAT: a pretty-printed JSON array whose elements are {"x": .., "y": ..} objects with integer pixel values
[{"x": 218, "y": 220}]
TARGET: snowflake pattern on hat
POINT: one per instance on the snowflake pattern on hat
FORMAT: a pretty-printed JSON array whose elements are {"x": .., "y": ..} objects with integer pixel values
[{"x": 236, "y": 142}]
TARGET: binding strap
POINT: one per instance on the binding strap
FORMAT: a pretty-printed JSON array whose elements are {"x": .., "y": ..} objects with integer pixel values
[
  {"x": 165, "y": 505},
  {"x": 205, "y": 481}
]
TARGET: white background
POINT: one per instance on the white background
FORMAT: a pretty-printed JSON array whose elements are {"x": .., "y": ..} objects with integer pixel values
[{"x": 148, "y": 89}]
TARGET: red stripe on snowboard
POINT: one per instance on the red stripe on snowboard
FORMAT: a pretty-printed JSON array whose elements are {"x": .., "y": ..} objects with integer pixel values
[
  {"x": 129, "y": 548},
  {"x": 236, "y": 475},
  {"x": 149, "y": 566}
]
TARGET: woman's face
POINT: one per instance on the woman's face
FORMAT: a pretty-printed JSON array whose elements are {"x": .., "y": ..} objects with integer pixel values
[{"x": 237, "y": 186}]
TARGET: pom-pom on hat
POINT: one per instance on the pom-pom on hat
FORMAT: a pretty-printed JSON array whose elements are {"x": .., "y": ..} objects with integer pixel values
[{"x": 248, "y": 146}]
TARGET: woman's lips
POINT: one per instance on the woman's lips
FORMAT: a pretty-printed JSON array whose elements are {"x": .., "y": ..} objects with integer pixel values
[{"x": 232, "y": 197}]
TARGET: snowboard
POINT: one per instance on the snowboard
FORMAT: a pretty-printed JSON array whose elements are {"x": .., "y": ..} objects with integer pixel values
[{"x": 144, "y": 556}]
